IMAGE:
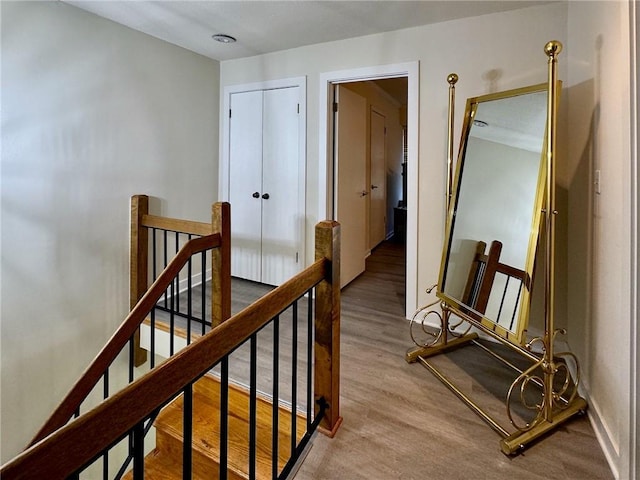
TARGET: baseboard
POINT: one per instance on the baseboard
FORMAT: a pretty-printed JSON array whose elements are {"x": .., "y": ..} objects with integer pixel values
[{"x": 602, "y": 433}]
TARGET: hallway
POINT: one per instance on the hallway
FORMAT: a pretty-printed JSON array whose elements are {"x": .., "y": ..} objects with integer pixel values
[{"x": 400, "y": 422}]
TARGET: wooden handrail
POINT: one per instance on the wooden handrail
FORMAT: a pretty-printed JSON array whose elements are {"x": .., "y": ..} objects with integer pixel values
[
  {"x": 71, "y": 447},
  {"x": 129, "y": 326},
  {"x": 176, "y": 225}
]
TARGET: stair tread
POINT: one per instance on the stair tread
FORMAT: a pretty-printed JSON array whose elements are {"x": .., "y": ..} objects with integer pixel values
[
  {"x": 160, "y": 466},
  {"x": 206, "y": 428}
]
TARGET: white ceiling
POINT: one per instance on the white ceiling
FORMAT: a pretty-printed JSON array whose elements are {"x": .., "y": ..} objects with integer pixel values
[
  {"x": 268, "y": 26},
  {"x": 518, "y": 121}
]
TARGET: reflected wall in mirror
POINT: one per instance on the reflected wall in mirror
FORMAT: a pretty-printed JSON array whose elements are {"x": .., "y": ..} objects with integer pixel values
[{"x": 494, "y": 216}]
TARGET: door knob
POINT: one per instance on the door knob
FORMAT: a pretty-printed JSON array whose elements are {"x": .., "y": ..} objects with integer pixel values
[
  {"x": 265, "y": 196},
  {"x": 364, "y": 193},
  {"x": 373, "y": 187},
  {"x": 256, "y": 195}
]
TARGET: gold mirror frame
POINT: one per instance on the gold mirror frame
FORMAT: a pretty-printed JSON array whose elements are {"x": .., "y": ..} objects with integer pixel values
[
  {"x": 555, "y": 374},
  {"x": 523, "y": 300}
]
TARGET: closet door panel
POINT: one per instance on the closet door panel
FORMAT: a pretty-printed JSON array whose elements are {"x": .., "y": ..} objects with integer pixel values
[
  {"x": 282, "y": 222},
  {"x": 245, "y": 184}
]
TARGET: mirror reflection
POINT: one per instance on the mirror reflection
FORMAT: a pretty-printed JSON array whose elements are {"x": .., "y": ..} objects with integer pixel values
[{"x": 495, "y": 212}]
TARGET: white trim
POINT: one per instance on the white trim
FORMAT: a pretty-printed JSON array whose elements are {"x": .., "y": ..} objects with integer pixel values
[
  {"x": 603, "y": 434},
  {"x": 327, "y": 79},
  {"x": 223, "y": 169},
  {"x": 634, "y": 400}
]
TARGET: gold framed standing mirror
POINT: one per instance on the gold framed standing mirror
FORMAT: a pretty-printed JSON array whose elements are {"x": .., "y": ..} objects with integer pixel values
[
  {"x": 504, "y": 194},
  {"x": 494, "y": 215}
]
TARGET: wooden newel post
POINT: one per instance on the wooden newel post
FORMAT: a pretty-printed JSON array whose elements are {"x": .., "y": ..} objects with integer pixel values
[
  {"x": 139, "y": 265},
  {"x": 327, "y": 328},
  {"x": 221, "y": 264}
]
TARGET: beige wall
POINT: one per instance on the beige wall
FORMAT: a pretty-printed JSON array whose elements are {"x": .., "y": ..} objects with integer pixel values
[
  {"x": 599, "y": 225},
  {"x": 88, "y": 100},
  {"x": 493, "y": 53},
  {"x": 475, "y": 48},
  {"x": 92, "y": 113}
]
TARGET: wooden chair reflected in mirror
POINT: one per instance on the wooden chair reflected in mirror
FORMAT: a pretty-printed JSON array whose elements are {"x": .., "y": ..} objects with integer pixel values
[
  {"x": 504, "y": 197},
  {"x": 480, "y": 289}
]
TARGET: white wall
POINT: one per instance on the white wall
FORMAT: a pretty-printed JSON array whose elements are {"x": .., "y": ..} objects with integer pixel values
[
  {"x": 599, "y": 230},
  {"x": 92, "y": 113}
]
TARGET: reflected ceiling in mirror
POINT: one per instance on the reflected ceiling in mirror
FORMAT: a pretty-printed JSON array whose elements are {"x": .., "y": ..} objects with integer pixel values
[{"x": 494, "y": 216}]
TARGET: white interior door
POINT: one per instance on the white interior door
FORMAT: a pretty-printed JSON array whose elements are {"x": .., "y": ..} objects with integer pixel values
[
  {"x": 378, "y": 197},
  {"x": 266, "y": 183},
  {"x": 245, "y": 184},
  {"x": 281, "y": 220},
  {"x": 351, "y": 191}
]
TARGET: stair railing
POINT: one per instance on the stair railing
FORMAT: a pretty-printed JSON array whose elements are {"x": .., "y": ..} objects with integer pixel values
[
  {"x": 144, "y": 299},
  {"x": 153, "y": 240},
  {"x": 69, "y": 450}
]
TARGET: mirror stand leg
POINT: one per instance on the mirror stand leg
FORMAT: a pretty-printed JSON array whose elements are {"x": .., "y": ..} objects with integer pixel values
[
  {"x": 441, "y": 341},
  {"x": 557, "y": 376},
  {"x": 516, "y": 442}
]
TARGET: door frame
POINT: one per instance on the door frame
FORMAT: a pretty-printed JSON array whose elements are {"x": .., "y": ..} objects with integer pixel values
[
  {"x": 634, "y": 400},
  {"x": 223, "y": 168},
  {"x": 326, "y": 180}
]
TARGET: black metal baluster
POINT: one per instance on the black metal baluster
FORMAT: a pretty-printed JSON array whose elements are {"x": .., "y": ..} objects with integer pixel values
[
  {"x": 178, "y": 276},
  {"x": 152, "y": 338},
  {"x": 189, "y": 299},
  {"x": 204, "y": 290},
  {"x": 309, "y": 358},
  {"x": 224, "y": 416},
  {"x": 105, "y": 395},
  {"x": 154, "y": 254},
  {"x": 515, "y": 308},
  {"x": 164, "y": 232},
  {"x": 172, "y": 319},
  {"x": 138, "y": 451},
  {"x": 253, "y": 405},
  {"x": 187, "y": 431},
  {"x": 504, "y": 294},
  {"x": 152, "y": 333},
  {"x": 131, "y": 359},
  {"x": 294, "y": 378},
  {"x": 276, "y": 399}
]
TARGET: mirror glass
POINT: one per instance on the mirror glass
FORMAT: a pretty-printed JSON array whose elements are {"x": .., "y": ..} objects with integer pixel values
[{"x": 494, "y": 215}]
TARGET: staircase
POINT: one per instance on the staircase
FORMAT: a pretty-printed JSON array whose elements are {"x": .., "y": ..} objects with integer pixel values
[
  {"x": 73, "y": 449},
  {"x": 165, "y": 461}
]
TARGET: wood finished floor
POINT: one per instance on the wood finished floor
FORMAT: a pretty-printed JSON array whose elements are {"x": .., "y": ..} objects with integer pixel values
[{"x": 400, "y": 422}]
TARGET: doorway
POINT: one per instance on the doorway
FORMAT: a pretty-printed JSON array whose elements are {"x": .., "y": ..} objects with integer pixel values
[{"x": 329, "y": 169}]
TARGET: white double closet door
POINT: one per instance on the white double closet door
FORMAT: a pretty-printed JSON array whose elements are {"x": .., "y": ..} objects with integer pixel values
[{"x": 265, "y": 190}]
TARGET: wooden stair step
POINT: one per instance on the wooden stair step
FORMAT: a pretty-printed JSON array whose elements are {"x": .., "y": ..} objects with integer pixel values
[
  {"x": 158, "y": 466},
  {"x": 206, "y": 434}
]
